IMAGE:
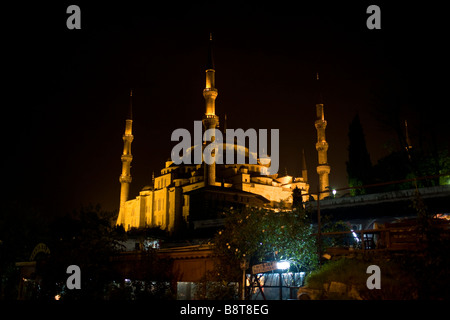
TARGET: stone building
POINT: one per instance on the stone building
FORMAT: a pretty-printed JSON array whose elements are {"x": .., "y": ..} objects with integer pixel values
[{"x": 192, "y": 195}]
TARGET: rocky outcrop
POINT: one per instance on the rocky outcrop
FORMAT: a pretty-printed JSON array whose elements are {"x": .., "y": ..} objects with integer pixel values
[{"x": 330, "y": 291}]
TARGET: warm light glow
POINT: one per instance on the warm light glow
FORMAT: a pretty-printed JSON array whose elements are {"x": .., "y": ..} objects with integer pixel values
[{"x": 443, "y": 216}]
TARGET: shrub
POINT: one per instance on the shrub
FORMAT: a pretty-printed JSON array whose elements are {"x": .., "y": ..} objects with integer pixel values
[{"x": 396, "y": 282}]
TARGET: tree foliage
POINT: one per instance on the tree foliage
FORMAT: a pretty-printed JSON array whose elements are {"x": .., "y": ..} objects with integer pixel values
[
  {"x": 258, "y": 235},
  {"x": 87, "y": 238}
]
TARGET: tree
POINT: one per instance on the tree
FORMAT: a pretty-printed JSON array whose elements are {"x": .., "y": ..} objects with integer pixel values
[
  {"x": 87, "y": 238},
  {"x": 22, "y": 226},
  {"x": 393, "y": 167},
  {"x": 359, "y": 166},
  {"x": 259, "y": 235},
  {"x": 297, "y": 199},
  {"x": 427, "y": 134}
]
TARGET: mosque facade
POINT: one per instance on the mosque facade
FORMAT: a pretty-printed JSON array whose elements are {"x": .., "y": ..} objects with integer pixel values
[{"x": 192, "y": 196}]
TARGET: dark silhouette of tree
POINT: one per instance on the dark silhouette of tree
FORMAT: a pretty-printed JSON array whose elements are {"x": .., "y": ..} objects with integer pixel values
[
  {"x": 359, "y": 166},
  {"x": 22, "y": 227},
  {"x": 297, "y": 199},
  {"x": 393, "y": 167},
  {"x": 426, "y": 151},
  {"x": 86, "y": 238}
]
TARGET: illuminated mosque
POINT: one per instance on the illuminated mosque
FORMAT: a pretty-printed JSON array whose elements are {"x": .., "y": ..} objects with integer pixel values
[{"x": 191, "y": 196}]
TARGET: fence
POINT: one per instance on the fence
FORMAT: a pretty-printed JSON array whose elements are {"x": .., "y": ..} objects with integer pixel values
[
  {"x": 394, "y": 236},
  {"x": 274, "y": 285}
]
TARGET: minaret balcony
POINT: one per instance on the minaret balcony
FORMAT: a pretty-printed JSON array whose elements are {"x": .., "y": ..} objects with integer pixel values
[
  {"x": 128, "y": 137},
  {"x": 320, "y": 124},
  {"x": 210, "y": 92},
  {"x": 210, "y": 121},
  {"x": 125, "y": 179},
  {"x": 210, "y": 116},
  {"x": 127, "y": 158},
  {"x": 323, "y": 169},
  {"x": 322, "y": 146}
]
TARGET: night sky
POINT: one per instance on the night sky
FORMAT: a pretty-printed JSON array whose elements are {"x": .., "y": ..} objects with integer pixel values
[{"x": 67, "y": 91}]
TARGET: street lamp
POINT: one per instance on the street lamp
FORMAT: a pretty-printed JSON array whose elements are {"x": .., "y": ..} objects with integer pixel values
[{"x": 283, "y": 265}]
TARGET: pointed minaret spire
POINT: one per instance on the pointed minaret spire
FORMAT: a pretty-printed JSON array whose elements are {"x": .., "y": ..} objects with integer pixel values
[
  {"x": 130, "y": 109},
  {"x": 304, "y": 168},
  {"x": 319, "y": 99},
  {"x": 210, "y": 60},
  {"x": 408, "y": 141}
]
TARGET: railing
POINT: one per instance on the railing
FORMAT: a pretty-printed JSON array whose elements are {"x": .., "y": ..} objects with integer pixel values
[{"x": 404, "y": 237}]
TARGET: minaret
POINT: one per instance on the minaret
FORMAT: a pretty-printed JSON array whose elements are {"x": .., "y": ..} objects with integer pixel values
[
  {"x": 323, "y": 169},
  {"x": 304, "y": 169},
  {"x": 210, "y": 120},
  {"x": 125, "y": 177}
]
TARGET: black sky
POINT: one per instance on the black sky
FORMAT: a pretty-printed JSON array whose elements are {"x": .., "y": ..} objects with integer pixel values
[{"x": 67, "y": 90}]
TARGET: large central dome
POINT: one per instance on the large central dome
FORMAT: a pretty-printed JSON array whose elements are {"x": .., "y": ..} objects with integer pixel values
[{"x": 238, "y": 151}]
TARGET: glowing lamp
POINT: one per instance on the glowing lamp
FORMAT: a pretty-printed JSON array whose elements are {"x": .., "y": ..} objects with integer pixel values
[{"x": 283, "y": 265}]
